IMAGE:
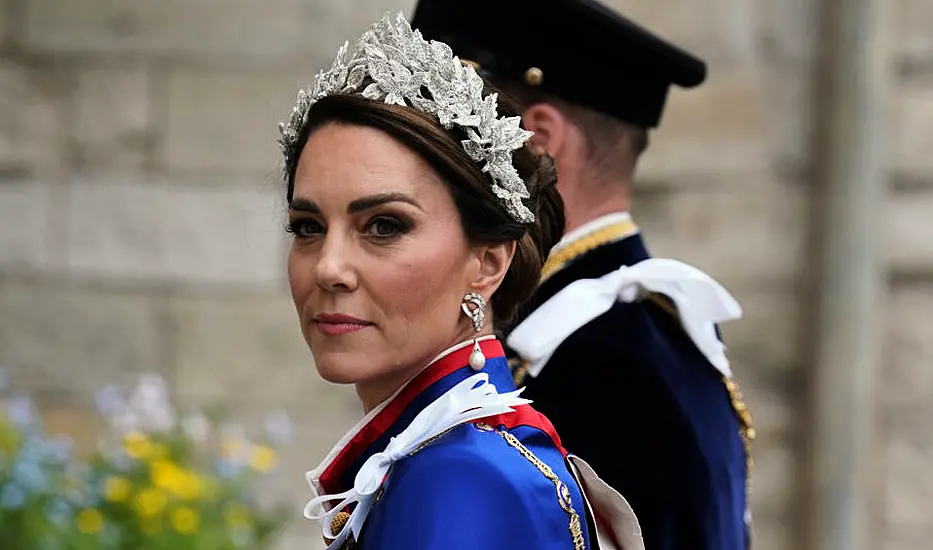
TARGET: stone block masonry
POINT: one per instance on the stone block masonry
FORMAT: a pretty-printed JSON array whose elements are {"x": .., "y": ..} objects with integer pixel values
[
  {"x": 172, "y": 232},
  {"x": 141, "y": 216}
]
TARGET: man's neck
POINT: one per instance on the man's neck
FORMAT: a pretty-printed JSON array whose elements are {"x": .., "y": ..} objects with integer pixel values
[{"x": 588, "y": 202}]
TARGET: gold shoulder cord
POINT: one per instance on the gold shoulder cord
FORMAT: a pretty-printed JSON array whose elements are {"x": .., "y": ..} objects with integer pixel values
[{"x": 563, "y": 493}]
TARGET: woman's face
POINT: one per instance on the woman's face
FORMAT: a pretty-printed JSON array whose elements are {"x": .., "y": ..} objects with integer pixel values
[{"x": 379, "y": 262}]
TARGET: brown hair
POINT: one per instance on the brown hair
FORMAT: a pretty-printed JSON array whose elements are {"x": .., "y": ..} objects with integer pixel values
[{"x": 483, "y": 217}]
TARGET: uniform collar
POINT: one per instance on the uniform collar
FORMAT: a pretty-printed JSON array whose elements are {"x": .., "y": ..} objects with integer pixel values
[
  {"x": 374, "y": 431},
  {"x": 591, "y": 227},
  {"x": 604, "y": 230}
]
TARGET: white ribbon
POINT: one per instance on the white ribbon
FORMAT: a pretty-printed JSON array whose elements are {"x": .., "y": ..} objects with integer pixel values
[
  {"x": 701, "y": 303},
  {"x": 471, "y": 399}
]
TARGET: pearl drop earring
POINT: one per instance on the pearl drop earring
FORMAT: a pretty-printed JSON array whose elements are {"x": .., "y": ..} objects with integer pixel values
[{"x": 477, "y": 359}]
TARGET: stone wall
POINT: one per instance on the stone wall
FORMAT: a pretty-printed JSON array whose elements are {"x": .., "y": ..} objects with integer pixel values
[{"x": 141, "y": 218}]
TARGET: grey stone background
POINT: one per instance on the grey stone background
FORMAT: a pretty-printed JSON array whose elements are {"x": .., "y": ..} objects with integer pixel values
[{"x": 141, "y": 218}]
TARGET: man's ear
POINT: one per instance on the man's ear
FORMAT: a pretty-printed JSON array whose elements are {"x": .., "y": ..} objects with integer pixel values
[{"x": 549, "y": 126}]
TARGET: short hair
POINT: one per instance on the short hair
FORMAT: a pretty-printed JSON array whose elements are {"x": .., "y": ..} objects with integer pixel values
[{"x": 612, "y": 145}]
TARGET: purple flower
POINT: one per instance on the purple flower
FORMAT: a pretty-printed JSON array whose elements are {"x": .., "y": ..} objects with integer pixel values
[
  {"x": 22, "y": 413},
  {"x": 108, "y": 400}
]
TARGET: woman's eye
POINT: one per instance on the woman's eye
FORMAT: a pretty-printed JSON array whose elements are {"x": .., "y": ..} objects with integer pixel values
[
  {"x": 304, "y": 228},
  {"x": 384, "y": 227}
]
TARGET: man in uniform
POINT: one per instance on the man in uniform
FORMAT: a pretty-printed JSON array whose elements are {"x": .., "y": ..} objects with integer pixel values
[{"x": 620, "y": 350}]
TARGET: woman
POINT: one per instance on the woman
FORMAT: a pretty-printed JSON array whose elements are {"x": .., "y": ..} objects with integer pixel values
[{"x": 420, "y": 222}]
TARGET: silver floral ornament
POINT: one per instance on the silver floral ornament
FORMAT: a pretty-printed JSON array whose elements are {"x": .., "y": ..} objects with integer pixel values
[{"x": 401, "y": 67}]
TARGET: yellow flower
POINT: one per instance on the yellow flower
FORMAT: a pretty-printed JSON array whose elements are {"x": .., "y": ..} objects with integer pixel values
[
  {"x": 137, "y": 445},
  {"x": 170, "y": 477},
  {"x": 185, "y": 520},
  {"x": 90, "y": 521},
  {"x": 263, "y": 458},
  {"x": 165, "y": 474},
  {"x": 190, "y": 488},
  {"x": 236, "y": 514},
  {"x": 150, "y": 502},
  {"x": 117, "y": 489}
]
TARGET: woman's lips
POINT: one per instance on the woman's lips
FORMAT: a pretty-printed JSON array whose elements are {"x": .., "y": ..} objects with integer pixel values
[{"x": 336, "y": 324}]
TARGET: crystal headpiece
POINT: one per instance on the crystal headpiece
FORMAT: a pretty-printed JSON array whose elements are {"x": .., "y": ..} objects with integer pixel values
[{"x": 402, "y": 66}]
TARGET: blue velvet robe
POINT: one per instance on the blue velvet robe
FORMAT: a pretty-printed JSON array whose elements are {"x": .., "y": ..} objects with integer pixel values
[
  {"x": 632, "y": 395},
  {"x": 490, "y": 484}
]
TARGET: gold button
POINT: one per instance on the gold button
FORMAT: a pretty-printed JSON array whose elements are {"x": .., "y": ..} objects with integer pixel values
[
  {"x": 337, "y": 524},
  {"x": 534, "y": 76}
]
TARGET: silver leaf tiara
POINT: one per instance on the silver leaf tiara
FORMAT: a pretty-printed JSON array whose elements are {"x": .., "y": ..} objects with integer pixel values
[{"x": 401, "y": 64}]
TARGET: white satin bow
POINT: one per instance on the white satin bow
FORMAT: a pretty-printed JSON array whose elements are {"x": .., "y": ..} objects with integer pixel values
[
  {"x": 701, "y": 303},
  {"x": 471, "y": 399}
]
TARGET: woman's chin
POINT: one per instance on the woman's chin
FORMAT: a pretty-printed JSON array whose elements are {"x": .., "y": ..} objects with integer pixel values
[{"x": 343, "y": 368}]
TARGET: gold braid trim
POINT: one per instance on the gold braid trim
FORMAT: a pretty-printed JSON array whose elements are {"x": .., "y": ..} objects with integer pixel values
[
  {"x": 608, "y": 234},
  {"x": 747, "y": 431},
  {"x": 563, "y": 493}
]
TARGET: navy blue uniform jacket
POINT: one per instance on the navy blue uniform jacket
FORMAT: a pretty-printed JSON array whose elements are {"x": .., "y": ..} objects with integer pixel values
[{"x": 631, "y": 394}]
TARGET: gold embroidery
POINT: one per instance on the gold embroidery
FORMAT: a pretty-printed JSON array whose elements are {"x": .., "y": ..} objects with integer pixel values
[
  {"x": 608, "y": 234},
  {"x": 747, "y": 431},
  {"x": 563, "y": 492}
]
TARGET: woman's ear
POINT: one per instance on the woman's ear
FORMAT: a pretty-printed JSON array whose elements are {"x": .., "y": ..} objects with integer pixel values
[{"x": 494, "y": 261}]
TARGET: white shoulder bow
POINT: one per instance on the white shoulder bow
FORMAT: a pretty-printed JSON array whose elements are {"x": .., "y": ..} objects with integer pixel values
[
  {"x": 701, "y": 303},
  {"x": 471, "y": 399}
]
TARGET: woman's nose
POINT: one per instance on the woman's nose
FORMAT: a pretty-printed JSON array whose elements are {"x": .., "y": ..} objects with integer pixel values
[{"x": 334, "y": 271}]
